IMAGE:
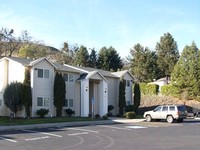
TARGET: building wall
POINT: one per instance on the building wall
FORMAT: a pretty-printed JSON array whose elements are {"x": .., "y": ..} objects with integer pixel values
[
  {"x": 113, "y": 94},
  {"x": 42, "y": 87},
  {"x": 128, "y": 89}
]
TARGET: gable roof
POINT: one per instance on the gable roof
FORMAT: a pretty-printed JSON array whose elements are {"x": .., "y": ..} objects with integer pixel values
[
  {"x": 88, "y": 69},
  {"x": 122, "y": 73}
]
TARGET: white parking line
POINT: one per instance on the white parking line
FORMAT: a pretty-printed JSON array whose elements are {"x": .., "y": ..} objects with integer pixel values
[
  {"x": 43, "y": 133},
  {"x": 119, "y": 128},
  {"x": 79, "y": 129},
  {"x": 8, "y": 140},
  {"x": 135, "y": 127}
]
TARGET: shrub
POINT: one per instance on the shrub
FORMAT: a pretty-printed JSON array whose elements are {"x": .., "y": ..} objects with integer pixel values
[
  {"x": 110, "y": 108},
  {"x": 149, "y": 89},
  {"x": 97, "y": 116},
  {"x": 130, "y": 115},
  {"x": 130, "y": 108},
  {"x": 69, "y": 112},
  {"x": 42, "y": 112},
  {"x": 170, "y": 90},
  {"x": 105, "y": 117}
]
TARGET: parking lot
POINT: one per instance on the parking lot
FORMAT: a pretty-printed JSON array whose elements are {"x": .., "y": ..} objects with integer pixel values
[{"x": 140, "y": 136}]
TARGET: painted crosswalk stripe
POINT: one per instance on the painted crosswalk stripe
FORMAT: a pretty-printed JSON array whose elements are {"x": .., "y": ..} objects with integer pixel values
[
  {"x": 135, "y": 127},
  {"x": 119, "y": 128},
  {"x": 43, "y": 133},
  {"x": 8, "y": 140}
]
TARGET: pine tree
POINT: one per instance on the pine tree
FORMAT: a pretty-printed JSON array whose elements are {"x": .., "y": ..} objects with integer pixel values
[
  {"x": 59, "y": 93},
  {"x": 82, "y": 57},
  {"x": 186, "y": 74},
  {"x": 122, "y": 102},
  {"x": 137, "y": 96},
  {"x": 168, "y": 55},
  {"x": 27, "y": 94}
]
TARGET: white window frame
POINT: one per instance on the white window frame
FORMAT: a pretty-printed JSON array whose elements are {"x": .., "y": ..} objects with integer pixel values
[
  {"x": 68, "y": 102},
  {"x": 44, "y": 73},
  {"x": 69, "y": 77},
  {"x": 45, "y": 101}
]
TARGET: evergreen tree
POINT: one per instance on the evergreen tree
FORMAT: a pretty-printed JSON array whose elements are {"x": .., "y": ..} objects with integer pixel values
[
  {"x": 122, "y": 102},
  {"x": 186, "y": 73},
  {"x": 137, "y": 96},
  {"x": 27, "y": 95},
  {"x": 167, "y": 52},
  {"x": 82, "y": 57},
  {"x": 59, "y": 93},
  {"x": 143, "y": 63},
  {"x": 93, "y": 59},
  {"x": 109, "y": 59}
]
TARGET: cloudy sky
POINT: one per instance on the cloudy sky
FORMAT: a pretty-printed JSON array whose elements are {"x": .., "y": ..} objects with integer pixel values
[{"x": 97, "y": 23}]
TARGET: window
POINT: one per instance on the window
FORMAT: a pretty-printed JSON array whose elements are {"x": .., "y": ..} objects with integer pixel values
[
  {"x": 42, "y": 101},
  {"x": 158, "y": 108},
  {"x": 69, "y": 103},
  {"x": 127, "y": 82},
  {"x": 165, "y": 108},
  {"x": 40, "y": 73},
  {"x": 43, "y": 73},
  {"x": 69, "y": 77},
  {"x": 46, "y": 73},
  {"x": 39, "y": 101},
  {"x": 46, "y": 101},
  {"x": 1, "y": 102},
  {"x": 172, "y": 108},
  {"x": 66, "y": 77}
]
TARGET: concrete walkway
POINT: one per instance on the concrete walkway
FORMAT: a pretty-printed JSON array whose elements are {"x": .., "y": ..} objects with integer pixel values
[{"x": 111, "y": 120}]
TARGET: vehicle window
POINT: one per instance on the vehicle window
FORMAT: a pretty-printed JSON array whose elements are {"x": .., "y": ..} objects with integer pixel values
[
  {"x": 181, "y": 108},
  {"x": 158, "y": 108},
  {"x": 172, "y": 108},
  {"x": 165, "y": 108}
]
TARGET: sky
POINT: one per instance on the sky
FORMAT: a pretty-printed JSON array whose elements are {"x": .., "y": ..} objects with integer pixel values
[{"x": 97, "y": 23}]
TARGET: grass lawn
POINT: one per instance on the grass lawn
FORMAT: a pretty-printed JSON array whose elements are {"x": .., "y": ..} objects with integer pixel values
[{"x": 24, "y": 121}]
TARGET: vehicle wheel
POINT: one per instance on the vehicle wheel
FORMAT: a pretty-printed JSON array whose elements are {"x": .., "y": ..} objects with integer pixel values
[
  {"x": 170, "y": 119},
  {"x": 148, "y": 118},
  {"x": 180, "y": 120}
]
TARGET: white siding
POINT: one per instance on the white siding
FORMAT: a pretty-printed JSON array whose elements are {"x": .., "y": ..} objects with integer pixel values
[
  {"x": 113, "y": 94},
  {"x": 42, "y": 87}
]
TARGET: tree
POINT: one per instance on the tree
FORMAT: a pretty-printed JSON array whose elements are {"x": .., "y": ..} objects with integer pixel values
[
  {"x": 82, "y": 57},
  {"x": 59, "y": 93},
  {"x": 27, "y": 94},
  {"x": 9, "y": 43},
  {"x": 143, "y": 63},
  {"x": 12, "y": 96},
  {"x": 109, "y": 59},
  {"x": 93, "y": 59},
  {"x": 137, "y": 96},
  {"x": 168, "y": 55},
  {"x": 122, "y": 93},
  {"x": 186, "y": 73}
]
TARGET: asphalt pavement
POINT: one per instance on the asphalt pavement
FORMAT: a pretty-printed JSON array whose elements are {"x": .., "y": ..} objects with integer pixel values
[{"x": 111, "y": 120}]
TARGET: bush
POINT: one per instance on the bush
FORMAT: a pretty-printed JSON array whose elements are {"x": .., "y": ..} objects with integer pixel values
[
  {"x": 130, "y": 108},
  {"x": 170, "y": 90},
  {"x": 130, "y": 115},
  {"x": 105, "y": 117},
  {"x": 110, "y": 108},
  {"x": 97, "y": 116},
  {"x": 69, "y": 112},
  {"x": 149, "y": 89},
  {"x": 42, "y": 112}
]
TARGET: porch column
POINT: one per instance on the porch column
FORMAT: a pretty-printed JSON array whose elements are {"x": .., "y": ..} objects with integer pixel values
[
  {"x": 103, "y": 98},
  {"x": 84, "y": 98}
]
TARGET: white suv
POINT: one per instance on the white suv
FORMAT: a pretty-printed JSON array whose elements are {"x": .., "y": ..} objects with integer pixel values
[{"x": 168, "y": 112}]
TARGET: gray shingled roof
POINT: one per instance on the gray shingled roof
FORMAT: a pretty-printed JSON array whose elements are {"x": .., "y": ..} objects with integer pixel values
[
  {"x": 103, "y": 72},
  {"x": 65, "y": 68},
  {"x": 22, "y": 61}
]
